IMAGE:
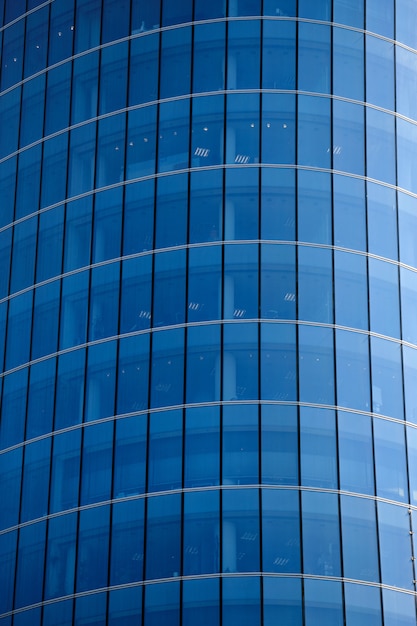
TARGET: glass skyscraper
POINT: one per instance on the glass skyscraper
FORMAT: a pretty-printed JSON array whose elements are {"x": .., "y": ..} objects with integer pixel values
[{"x": 208, "y": 312}]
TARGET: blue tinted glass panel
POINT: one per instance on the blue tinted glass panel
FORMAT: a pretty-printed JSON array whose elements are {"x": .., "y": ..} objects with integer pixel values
[
  {"x": 241, "y": 204},
  {"x": 279, "y": 445},
  {"x": 77, "y": 243},
  {"x": 201, "y": 533},
  {"x": 110, "y": 151},
  {"x": 61, "y": 31},
  {"x": 70, "y": 389},
  {"x": 242, "y": 130},
  {"x": 406, "y": 153},
  {"x": 323, "y": 603},
  {"x": 145, "y": 16},
  {"x": 85, "y": 86},
  {"x": 240, "y": 445},
  {"x": 10, "y": 479},
  {"x": 173, "y": 135},
  {"x": 13, "y": 414},
  {"x": 380, "y": 154},
  {"x": 278, "y": 204},
  {"x": 405, "y": 16},
  {"x": 240, "y": 530},
  {"x": 349, "y": 212},
  {"x": 278, "y": 282},
  {"x": 12, "y": 55},
  {"x": 107, "y": 225},
  {"x": 175, "y": 62},
  {"x": 314, "y": 130},
  {"x": 395, "y": 545},
  {"x": 138, "y": 217},
  {"x": 352, "y": 367},
  {"x": 202, "y": 447},
  {"x": 143, "y": 63},
  {"x": 278, "y": 65},
  {"x": 356, "y": 466},
  {"x": 201, "y": 603},
  {"x": 104, "y": 301},
  {"x": 115, "y": 20},
  {"x": 32, "y": 111},
  {"x": 348, "y": 60},
  {"x": 380, "y": 16},
  {"x": 126, "y": 559},
  {"x": 60, "y": 556},
  {"x": 314, "y": 56},
  {"x": 163, "y": 557},
  {"x": 41, "y": 398},
  {"x": 45, "y": 322},
  {"x": 399, "y": 608},
  {"x": 243, "y": 55},
  {"x": 130, "y": 456},
  {"x": 390, "y": 461},
  {"x": 383, "y": 296},
  {"x": 203, "y": 11},
  {"x": 167, "y": 382},
  {"x": 380, "y": 67},
  {"x": 348, "y": 137},
  {"x": 363, "y": 605},
  {"x": 351, "y": 290},
  {"x": 113, "y": 73},
  {"x": 205, "y": 206},
  {"x": 162, "y": 604},
  {"x": 135, "y": 311},
  {"x": 30, "y": 564},
  {"x": 169, "y": 291},
  {"x": 314, "y": 207},
  {"x": 124, "y": 604},
  {"x": 204, "y": 284},
  {"x": 278, "y": 362},
  {"x": 240, "y": 284},
  {"x": 282, "y": 601},
  {"x": 18, "y": 334},
  {"x": 50, "y": 240},
  {"x": 208, "y": 55},
  {"x": 91, "y": 609},
  {"x": 207, "y": 131},
  {"x": 321, "y": 533},
  {"x": 96, "y": 463},
  {"x": 93, "y": 550},
  {"x": 28, "y": 181},
  {"x": 382, "y": 221},
  {"x": 359, "y": 539},
  {"x": 7, "y": 567},
  {"x": 74, "y": 302},
  {"x": 315, "y": 285},
  {"x": 88, "y": 18},
  {"x": 318, "y": 448},
  {"x": 316, "y": 371},
  {"x": 132, "y": 390},
  {"x": 10, "y": 114},
  {"x": 281, "y": 550},
  {"x": 203, "y": 364},
  {"x": 65, "y": 473},
  {"x": 82, "y": 159},
  {"x": 240, "y": 362},
  {"x": 100, "y": 384},
  {"x": 241, "y": 601},
  {"x": 387, "y": 386},
  {"x": 278, "y": 128},
  {"x": 171, "y": 211},
  {"x": 165, "y": 451}
]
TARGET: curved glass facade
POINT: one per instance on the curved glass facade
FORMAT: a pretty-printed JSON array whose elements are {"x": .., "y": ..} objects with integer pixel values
[{"x": 208, "y": 327}]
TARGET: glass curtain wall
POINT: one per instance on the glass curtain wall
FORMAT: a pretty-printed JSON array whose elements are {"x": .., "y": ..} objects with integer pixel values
[{"x": 208, "y": 332}]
